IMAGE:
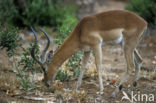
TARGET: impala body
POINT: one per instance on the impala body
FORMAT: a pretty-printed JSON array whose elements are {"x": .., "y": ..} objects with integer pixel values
[{"x": 91, "y": 32}]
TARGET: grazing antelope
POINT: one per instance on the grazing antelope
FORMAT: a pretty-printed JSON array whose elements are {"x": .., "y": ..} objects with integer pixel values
[{"x": 89, "y": 34}]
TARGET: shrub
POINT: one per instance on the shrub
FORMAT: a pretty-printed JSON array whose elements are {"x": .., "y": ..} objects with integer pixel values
[
  {"x": 8, "y": 12},
  {"x": 68, "y": 24},
  {"x": 10, "y": 39},
  {"x": 27, "y": 65},
  {"x": 74, "y": 63},
  {"x": 62, "y": 76},
  {"x": 38, "y": 12},
  {"x": 35, "y": 12},
  {"x": 144, "y": 8},
  {"x": 27, "y": 62}
]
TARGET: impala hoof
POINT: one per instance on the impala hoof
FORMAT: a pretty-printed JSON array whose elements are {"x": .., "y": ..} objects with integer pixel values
[{"x": 135, "y": 84}]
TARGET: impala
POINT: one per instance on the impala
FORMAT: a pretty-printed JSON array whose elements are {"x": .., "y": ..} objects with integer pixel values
[{"x": 88, "y": 35}]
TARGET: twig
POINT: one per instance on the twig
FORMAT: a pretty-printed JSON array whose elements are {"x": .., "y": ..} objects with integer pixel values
[{"x": 40, "y": 98}]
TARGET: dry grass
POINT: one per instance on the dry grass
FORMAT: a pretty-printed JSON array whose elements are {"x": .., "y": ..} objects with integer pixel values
[
  {"x": 8, "y": 81},
  {"x": 148, "y": 75},
  {"x": 5, "y": 63},
  {"x": 152, "y": 75}
]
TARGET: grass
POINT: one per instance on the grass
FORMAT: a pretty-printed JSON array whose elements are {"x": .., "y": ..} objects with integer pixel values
[{"x": 8, "y": 81}]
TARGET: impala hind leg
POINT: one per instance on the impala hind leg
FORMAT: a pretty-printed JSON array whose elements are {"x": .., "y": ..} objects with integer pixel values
[
  {"x": 129, "y": 48},
  {"x": 84, "y": 63},
  {"x": 98, "y": 61},
  {"x": 138, "y": 63}
]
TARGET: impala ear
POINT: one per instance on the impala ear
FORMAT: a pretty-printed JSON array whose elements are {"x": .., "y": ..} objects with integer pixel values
[{"x": 49, "y": 56}]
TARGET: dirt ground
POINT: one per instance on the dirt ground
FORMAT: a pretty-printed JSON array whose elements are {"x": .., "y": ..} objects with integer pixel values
[{"x": 114, "y": 65}]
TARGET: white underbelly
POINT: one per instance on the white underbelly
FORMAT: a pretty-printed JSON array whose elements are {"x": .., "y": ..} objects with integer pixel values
[{"x": 117, "y": 41}]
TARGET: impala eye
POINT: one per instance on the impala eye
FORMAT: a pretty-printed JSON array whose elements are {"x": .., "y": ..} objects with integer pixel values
[
  {"x": 45, "y": 68},
  {"x": 49, "y": 57}
]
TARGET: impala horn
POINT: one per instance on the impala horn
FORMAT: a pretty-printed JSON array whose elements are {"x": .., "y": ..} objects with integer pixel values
[{"x": 42, "y": 61}]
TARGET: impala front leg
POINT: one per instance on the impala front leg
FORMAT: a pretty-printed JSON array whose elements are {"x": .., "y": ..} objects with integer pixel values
[
  {"x": 84, "y": 63},
  {"x": 98, "y": 61}
]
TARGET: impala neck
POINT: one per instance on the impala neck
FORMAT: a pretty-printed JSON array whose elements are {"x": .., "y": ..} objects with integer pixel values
[{"x": 67, "y": 49}]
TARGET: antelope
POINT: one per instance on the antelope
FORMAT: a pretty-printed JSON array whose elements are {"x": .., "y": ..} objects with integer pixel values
[{"x": 88, "y": 35}]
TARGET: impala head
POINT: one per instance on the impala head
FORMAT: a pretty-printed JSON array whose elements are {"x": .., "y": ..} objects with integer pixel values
[{"x": 45, "y": 61}]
